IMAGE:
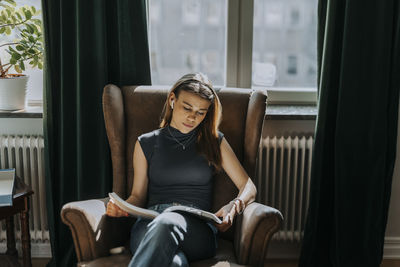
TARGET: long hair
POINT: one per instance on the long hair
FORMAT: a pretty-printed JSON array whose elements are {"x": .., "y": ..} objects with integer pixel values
[{"x": 207, "y": 135}]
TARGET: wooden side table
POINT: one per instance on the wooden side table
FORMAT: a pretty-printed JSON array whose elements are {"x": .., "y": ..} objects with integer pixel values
[{"x": 21, "y": 206}]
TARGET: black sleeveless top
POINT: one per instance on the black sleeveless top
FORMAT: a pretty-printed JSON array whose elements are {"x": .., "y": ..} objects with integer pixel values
[{"x": 176, "y": 174}]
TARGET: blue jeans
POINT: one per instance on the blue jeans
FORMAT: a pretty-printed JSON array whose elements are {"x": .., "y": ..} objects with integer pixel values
[{"x": 171, "y": 239}]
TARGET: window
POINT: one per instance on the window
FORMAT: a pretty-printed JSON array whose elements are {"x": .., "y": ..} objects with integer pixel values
[
  {"x": 284, "y": 45},
  {"x": 237, "y": 43},
  {"x": 187, "y": 36},
  {"x": 35, "y": 82}
]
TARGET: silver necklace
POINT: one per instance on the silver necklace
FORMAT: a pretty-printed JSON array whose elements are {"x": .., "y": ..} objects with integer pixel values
[{"x": 183, "y": 145}]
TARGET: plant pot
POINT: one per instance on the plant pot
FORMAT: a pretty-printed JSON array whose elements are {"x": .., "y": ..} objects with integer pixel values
[{"x": 13, "y": 92}]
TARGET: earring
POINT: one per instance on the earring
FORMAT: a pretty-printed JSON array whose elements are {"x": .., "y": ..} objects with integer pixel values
[{"x": 172, "y": 104}]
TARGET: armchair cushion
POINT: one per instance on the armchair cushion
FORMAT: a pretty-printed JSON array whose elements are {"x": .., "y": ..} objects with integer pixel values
[{"x": 93, "y": 210}]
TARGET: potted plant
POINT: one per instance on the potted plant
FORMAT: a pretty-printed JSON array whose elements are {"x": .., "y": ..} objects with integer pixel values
[{"x": 21, "y": 44}]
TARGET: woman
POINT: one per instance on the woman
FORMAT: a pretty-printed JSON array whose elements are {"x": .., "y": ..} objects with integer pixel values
[{"x": 175, "y": 164}]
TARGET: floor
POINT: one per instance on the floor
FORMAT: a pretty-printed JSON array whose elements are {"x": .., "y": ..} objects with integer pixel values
[{"x": 37, "y": 262}]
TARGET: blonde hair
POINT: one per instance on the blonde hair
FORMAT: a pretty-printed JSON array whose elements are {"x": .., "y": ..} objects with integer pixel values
[{"x": 207, "y": 137}]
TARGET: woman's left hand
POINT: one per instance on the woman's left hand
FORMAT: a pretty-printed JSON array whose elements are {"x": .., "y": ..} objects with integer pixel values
[{"x": 227, "y": 213}]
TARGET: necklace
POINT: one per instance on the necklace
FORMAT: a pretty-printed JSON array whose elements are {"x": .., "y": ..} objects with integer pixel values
[{"x": 183, "y": 145}]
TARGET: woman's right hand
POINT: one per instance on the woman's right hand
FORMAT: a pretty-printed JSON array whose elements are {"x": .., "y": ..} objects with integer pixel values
[{"x": 115, "y": 211}]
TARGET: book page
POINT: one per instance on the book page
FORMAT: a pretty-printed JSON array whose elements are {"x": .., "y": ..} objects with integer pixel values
[
  {"x": 6, "y": 186},
  {"x": 7, "y": 177},
  {"x": 151, "y": 214},
  {"x": 132, "y": 209},
  {"x": 205, "y": 215}
]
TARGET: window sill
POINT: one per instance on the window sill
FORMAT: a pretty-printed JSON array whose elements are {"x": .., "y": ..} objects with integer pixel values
[
  {"x": 290, "y": 95},
  {"x": 273, "y": 112},
  {"x": 31, "y": 111},
  {"x": 291, "y": 112}
]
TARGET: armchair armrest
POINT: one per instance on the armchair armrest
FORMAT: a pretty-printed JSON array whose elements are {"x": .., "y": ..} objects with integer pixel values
[
  {"x": 93, "y": 232},
  {"x": 254, "y": 230}
]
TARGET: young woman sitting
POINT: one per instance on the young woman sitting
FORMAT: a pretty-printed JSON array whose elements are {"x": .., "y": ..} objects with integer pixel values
[{"x": 174, "y": 165}]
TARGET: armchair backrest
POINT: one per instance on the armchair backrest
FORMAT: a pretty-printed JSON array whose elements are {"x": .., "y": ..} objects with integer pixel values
[{"x": 132, "y": 110}]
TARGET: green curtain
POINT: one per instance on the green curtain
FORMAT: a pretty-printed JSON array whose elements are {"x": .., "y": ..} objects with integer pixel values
[
  {"x": 356, "y": 133},
  {"x": 88, "y": 44}
]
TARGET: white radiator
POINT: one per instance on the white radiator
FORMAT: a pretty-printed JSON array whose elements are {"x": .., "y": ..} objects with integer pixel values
[
  {"x": 26, "y": 155},
  {"x": 283, "y": 181}
]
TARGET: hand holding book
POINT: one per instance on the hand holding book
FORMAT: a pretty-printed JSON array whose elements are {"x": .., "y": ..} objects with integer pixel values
[
  {"x": 227, "y": 213},
  {"x": 114, "y": 211},
  {"x": 132, "y": 209}
]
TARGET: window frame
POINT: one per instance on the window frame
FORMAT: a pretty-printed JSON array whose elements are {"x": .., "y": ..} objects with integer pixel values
[{"x": 239, "y": 53}]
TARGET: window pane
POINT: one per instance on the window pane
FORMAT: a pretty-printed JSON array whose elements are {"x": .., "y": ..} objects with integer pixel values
[
  {"x": 187, "y": 36},
  {"x": 284, "y": 43},
  {"x": 35, "y": 81}
]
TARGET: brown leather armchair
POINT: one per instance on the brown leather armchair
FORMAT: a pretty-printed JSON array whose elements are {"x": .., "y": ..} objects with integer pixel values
[{"x": 130, "y": 111}]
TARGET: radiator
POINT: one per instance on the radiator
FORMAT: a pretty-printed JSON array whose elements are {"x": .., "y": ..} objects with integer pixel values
[
  {"x": 26, "y": 155},
  {"x": 283, "y": 181}
]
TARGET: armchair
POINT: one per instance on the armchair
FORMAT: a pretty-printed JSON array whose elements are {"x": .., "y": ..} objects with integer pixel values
[{"x": 132, "y": 110}]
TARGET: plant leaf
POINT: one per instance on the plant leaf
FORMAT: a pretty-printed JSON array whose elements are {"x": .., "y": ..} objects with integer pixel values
[
  {"x": 28, "y": 14},
  {"x": 19, "y": 47},
  {"x": 11, "y": 2},
  {"x": 16, "y": 56},
  {"x": 22, "y": 65},
  {"x": 34, "y": 27},
  {"x": 29, "y": 28},
  {"x": 17, "y": 69}
]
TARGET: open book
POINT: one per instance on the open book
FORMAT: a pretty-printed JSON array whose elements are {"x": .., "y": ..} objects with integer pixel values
[{"x": 151, "y": 214}]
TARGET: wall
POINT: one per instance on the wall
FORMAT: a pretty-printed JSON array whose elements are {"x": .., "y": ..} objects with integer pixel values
[{"x": 21, "y": 126}]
